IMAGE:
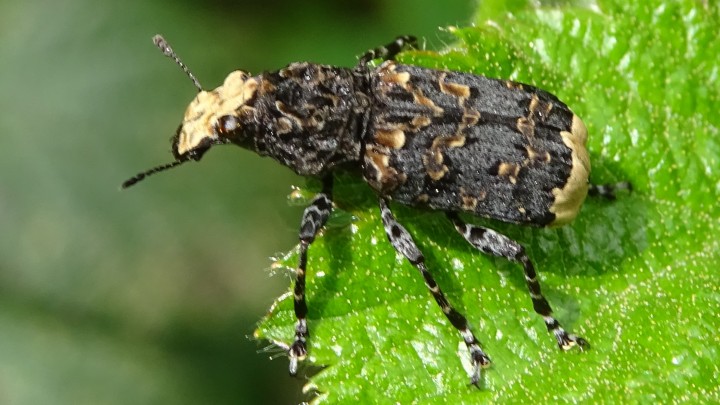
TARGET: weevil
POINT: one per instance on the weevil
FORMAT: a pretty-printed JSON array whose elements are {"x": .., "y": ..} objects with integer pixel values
[{"x": 435, "y": 139}]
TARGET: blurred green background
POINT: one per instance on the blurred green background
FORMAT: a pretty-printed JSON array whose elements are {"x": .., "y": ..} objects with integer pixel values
[{"x": 149, "y": 295}]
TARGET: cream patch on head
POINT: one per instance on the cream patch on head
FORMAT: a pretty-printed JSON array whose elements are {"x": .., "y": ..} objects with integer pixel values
[
  {"x": 203, "y": 112},
  {"x": 569, "y": 198}
]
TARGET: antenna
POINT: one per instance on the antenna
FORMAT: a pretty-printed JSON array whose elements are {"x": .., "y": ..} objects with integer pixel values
[
  {"x": 161, "y": 43},
  {"x": 157, "y": 169}
]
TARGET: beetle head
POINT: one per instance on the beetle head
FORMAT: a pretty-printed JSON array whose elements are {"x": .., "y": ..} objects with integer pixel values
[{"x": 213, "y": 117}]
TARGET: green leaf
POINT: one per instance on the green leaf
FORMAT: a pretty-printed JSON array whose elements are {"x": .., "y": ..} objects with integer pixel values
[{"x": 636, "y": 277}]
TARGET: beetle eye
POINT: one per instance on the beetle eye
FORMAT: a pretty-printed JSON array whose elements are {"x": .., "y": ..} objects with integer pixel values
[{"x": 227, "y": 124}]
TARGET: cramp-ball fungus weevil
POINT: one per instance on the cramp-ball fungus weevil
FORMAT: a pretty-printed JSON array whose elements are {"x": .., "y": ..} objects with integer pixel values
[{"x": 442, "y": 140}]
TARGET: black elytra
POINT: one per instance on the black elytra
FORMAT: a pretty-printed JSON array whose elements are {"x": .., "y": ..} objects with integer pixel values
[{"x": 442, "y": 140}]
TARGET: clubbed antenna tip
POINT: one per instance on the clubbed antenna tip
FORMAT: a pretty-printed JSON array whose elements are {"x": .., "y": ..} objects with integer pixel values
[{"x": 163, "y": 45}]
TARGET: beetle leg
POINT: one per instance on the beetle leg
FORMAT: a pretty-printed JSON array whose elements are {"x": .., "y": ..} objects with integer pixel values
[
  {"x": 314, "y": 218},
  {"x": 403, "y": 243},
  {"x": 496, "y": 244},
  {"x": 390, "y": 50}
]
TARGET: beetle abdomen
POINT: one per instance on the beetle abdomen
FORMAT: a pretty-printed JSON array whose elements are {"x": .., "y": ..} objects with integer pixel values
[{"x": 461, "y": 142}]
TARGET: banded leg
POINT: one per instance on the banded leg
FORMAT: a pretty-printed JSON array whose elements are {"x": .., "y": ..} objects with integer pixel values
[
  {"x": 608, "y": 190},
  {"x": 496, "y": 244},
  {"x": 403, "y": 243},
  {"x": 314, "y": 218},
  {"x": 390, "y": 50}
]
